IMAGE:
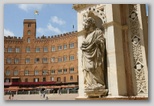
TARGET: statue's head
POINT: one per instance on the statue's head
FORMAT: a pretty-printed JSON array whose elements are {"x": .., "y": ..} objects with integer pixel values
[{"x": 89, "y": 23}]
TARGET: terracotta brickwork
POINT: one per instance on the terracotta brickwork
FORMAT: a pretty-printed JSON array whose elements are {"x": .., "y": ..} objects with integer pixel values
[{"x": 42, "y": 59}]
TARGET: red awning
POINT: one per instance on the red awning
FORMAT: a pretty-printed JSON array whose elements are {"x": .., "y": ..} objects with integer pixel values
[
  {"x": 7, "y": 83},
  {"x": 33, "y": 83}
]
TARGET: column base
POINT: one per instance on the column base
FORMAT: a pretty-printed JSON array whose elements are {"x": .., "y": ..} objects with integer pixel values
[{"x": 114, "y": 98}]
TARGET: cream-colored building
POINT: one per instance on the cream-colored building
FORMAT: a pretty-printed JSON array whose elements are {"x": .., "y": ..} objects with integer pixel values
[{"x": 126, "y": 34}]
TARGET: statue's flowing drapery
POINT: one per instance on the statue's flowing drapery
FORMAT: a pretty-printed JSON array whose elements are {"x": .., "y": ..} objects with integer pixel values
[{"x": 92, "y": 59}]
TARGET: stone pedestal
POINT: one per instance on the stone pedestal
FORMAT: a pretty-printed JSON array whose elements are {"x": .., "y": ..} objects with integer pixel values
[{"x": 96, "y": 93}]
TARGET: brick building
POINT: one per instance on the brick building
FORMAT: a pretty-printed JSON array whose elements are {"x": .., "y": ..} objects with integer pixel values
[{"x": 43, "y": 61}]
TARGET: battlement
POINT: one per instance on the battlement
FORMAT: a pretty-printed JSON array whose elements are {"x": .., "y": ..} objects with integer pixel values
[
  {"x": 56, "y": 36},
  {"x": 12, "y": 38},
  {"x": 30, "y": 20}
]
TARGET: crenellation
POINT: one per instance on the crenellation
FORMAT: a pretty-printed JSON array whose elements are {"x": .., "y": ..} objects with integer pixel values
[
  {"x": 55, "y": 37},
  {"x": 43, "y": 37},
  {"x": 14, "y": 39}
]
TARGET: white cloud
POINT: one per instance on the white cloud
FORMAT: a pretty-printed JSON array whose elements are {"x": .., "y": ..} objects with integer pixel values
[
  {"x": 41, "y": 30},
  {"x": 27, "y": 7},
  {"x": 57, "y": 20},
  {"x": 8, "y": 33},
  {"x": 49, "y": 29},
  {"x": 53, "y": 29}
]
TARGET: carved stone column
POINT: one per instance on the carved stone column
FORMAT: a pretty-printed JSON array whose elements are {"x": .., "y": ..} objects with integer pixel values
[{"x": 138, "y": 36}]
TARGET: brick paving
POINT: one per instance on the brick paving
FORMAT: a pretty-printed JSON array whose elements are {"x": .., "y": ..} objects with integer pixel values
[{"x": 39, "y": 97}]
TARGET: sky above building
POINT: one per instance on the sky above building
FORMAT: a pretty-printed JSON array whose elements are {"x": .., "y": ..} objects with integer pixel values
[{"x": 52, "y": 19}]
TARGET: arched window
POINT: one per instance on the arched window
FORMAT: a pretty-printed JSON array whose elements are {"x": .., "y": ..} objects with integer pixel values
[
  {"x": 52, "y": 71},
  {"x": 52, "y": 78},
  {"x": 15, "y": 72},
  {"x": 71, "y": 78},
  {"x": 65, "y": 46},
  {"x": 27, "y": 49},
  {"x": 29, "y": 25},
  {"x": 10, "y": 49},
  {"x": 71, "y": 57},
  {"x": 44, "y": 72},
  {"x": 28, "y": 40},
  {"x": 58, "y": 79},
  {"x": 8, "y": 60},
  {"x": 44, "y": 79},
  {"x": 71, "y": 45},
  {"x": 26, "y": 79},
  {"x": 65, "y": 58},
  {"x": 64, "y": 79},
  {"x": 17, "y": 49},
  {"x": 45, "y": 60},
  {"x": 72, "y": 70},
  {"x": 28, "y": 32},
  {"x": 7, "y": 72},
  {"x": 36, "y": 72},
  {"x": 7, "y": 80},
  {"x": 53, "y": 48},
  {"x": 36, "y": 79},
  {"x": 37, "y": 49},
  {"x": 45, "y": 49},
  {"x": 26, "y": 72},
  {"x": 59, "y": 59},
  {"x": 16, "y": 60}
]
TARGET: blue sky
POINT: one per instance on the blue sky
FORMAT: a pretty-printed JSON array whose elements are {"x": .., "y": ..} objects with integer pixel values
[{"x": 53, "y": 19}]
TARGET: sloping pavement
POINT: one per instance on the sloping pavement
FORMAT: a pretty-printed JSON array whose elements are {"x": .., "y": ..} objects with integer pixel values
[{"x": 40, "y": 97}]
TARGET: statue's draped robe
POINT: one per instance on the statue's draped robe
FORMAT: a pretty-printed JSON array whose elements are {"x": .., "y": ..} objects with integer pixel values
[{"x": 92, "y": 60}]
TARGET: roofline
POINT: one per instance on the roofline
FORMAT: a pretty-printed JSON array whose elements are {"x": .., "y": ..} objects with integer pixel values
[{"x": 29, "y": 20}]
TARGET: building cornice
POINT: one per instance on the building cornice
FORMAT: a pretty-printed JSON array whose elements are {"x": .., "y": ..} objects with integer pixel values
[{"x": 81, "y": 6}]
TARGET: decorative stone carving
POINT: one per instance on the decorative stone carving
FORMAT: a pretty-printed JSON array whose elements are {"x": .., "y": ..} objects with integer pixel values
[
  {"x": 92, "y": 59},
  {"x": 94, "y": 11},
  {"x": 137, "y": 53}
]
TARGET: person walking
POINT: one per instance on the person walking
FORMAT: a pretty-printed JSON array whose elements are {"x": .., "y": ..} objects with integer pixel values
[
  {"x": 46, "y": 98},
  {"x": 12, "y": 95},
  {"x": 9, "y": 97},
  {"x": 44, "y": 95},
  {"x": 60, "y": 91}
]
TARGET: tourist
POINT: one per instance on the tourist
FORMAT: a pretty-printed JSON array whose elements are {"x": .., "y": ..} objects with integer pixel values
[
  {"x": 43, "y": 94},
  {"x": 47, "y": 98},
  {"x": 9, "y": 97},
  {"x": 12, "y": 95}
]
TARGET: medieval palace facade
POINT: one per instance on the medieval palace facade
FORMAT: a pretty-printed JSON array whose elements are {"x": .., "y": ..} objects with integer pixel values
[{"x": 31, "y": 61}]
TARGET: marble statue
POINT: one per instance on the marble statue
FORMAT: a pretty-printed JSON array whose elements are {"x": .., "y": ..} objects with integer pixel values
[{"x": 93, "y": 57}]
